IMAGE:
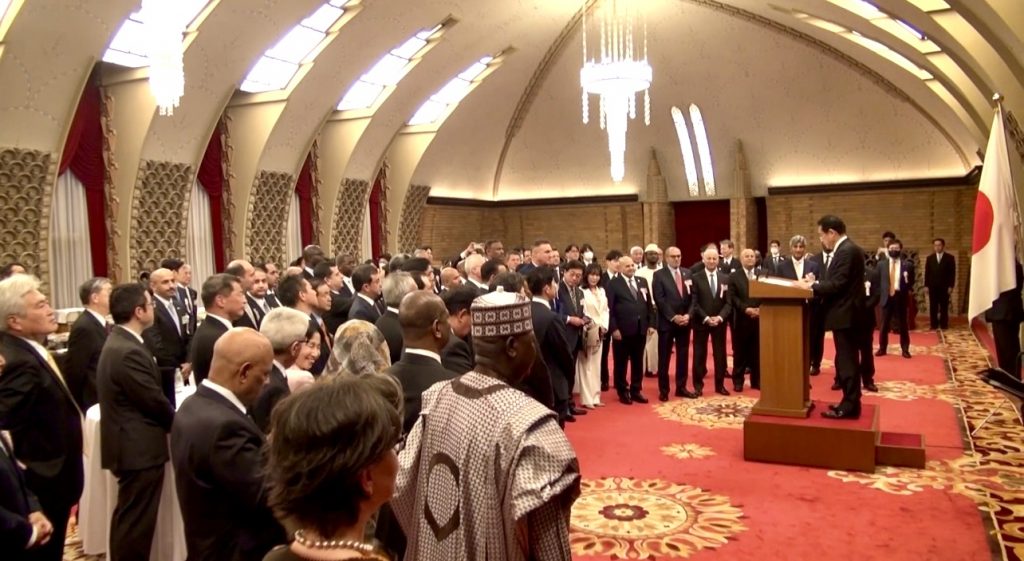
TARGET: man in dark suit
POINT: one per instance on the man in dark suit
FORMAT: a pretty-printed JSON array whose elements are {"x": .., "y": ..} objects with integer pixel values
[
  {"x": 553, "y": 345},
  {"x": 224, "y": 302},
  {"x": 897, "y": 282},
  {"x": 673, "y": 298},
  {"x": 746, "y": 323},
  {"x": 540, "y": 256},
  {"x": 341, "y": 297},
  {"x": 288, "y": 331},
  {"x": 939, "y": 278},
  {"x": 710, "y": 308},
  {"x": 728, "y": 262},
  {"x": 630, "y": 321},
  {"x": 216, "y": 451},
  {"x": 797, "y": 266},
  {"x": 167, "y": 337},
  {"x": 611, "y": 269},
  {"x": 395, "y": 286},
  {"x": 256, "y": 307},
  {"x": 183, "y": 291},
  {"x": 1006, "y": 315},
  {"x": 136, "y": 419},
  {"x": 85, "y": 342},
  {"x": 273, "y": 277},
  {"x": 841, "y": 288},
  {"x": 865, "y": 341},
  {"x": 23, "y": 526},
  {"x": 366, "y": 282},
  {"x": 424, "y": 321},
  {"x": 38, "y": 409},
  {"x": 312, "y": 255},
  {"x": 775, "y": 258},
  {"x": 457, "y": 355},
  {"x": 569, "y": 308},
  {"x": 297, "y": 292}
]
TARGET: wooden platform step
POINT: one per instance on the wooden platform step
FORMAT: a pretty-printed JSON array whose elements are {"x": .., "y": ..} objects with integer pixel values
[
  {"x": 814, "y": 441},
  {"x": 900, "y": 449}
]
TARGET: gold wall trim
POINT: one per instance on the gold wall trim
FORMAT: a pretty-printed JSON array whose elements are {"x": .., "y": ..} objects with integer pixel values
[
  {"x": 348, "y": 217},
  {"x": 159, "y": 213},
  {"x": 26, "y": 201},
  {"x": 412, "y": 217}
]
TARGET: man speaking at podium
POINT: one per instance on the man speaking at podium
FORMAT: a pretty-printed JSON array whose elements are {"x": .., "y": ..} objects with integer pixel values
[{"x": 841, "y": 288}]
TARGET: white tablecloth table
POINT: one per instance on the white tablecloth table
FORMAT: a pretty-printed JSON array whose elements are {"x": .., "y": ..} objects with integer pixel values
[{"x": 99, "y": 498}]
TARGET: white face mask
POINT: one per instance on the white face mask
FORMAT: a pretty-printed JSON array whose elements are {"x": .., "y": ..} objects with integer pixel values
[
  {"x": 588, "y": 255},
  {"x": 775, "y": 251}
]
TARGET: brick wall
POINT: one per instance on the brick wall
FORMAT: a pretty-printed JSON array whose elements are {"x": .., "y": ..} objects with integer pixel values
[
  {"x": 916, "y": 215},
  {"x": 448, "y": 229}
]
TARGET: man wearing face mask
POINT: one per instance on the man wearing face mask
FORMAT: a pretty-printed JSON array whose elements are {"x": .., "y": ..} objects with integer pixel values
[
  {"x": 897, "y": 280},
  {"x": 775, "y": 258}
]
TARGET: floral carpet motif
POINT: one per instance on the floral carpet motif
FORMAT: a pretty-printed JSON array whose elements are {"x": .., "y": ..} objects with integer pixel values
[
  {"x": 709, "y": 412},
  {"x": 687, "y": 451},
  {"x": 626, "y": 518},
  {"x": 992, "y": 474}
]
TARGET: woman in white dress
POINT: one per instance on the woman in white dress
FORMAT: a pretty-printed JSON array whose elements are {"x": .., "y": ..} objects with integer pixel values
[{"x": 588, "y": 364}]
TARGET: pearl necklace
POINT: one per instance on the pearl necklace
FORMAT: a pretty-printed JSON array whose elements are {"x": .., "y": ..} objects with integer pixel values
[{"x": 300, "y": 537}]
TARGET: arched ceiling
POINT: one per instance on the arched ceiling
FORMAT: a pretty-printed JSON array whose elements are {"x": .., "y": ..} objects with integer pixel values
[{"x": 809, "y": 105}]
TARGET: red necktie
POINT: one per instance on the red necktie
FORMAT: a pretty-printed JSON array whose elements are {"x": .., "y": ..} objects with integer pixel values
[{"x": 679, "y": 281}]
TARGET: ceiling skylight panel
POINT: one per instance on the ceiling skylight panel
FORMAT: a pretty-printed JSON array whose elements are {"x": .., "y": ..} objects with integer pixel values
[
  {"x": 298, "y": 43},
  {"x": 323, "y": 18},
  {"x": 361, "y": 94},
  {"x": 472, "y": 72},
  {"x": 686, "y": 149},
  {"x": 388, "y": 70},
  {"x": 453, "y": 91},
  {"x": 703, "y": 150},
  {"x": 429, "y": 112},
  {"x": 409, "y": 49},
  {"x": 269, "y": 74},
  {"x": 131, "y": 38},
  {"x": 130, "y": 44}
]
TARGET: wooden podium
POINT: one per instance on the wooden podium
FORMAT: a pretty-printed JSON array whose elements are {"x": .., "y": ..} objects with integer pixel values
[{"x": 785, "y": 353}]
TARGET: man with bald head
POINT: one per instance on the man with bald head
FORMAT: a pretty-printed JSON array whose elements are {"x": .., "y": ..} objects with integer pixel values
[
  {"x": 450, "y": 279},
  {"x": 425, "y": 332},
  {"x": 215, "y": 448},
  {"x": 631, "y": 320},
  {"x": 168, "y": 337},
  {"x": 711, "y": 307},
  {"x": 246, "y": 274}
]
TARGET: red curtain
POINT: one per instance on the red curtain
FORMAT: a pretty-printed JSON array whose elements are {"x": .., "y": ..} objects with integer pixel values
[
  {"x": 698, "y": 223},
  {"x": 304, "y": 189},
  {"x": 375, "y": 215},
  {"x": 83, "y": 155},
  {"x": 211, "y": 177}
]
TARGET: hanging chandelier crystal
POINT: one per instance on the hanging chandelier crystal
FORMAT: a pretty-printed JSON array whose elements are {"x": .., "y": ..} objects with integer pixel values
[
  {"x": 615, "y": 68},
  {"x": 165, "y": 32}
]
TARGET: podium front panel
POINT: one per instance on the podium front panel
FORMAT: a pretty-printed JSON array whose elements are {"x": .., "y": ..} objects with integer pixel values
[{"x": 785, "y": 358}]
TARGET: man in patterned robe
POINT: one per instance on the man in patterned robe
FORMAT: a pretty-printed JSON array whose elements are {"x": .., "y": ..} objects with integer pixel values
[{"x": 486, "y": 473}]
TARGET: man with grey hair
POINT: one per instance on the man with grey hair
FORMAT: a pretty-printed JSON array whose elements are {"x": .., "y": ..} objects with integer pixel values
[
  {"x": 797, "y": 267},
  {"x": 395, "y": 286},
  {"x": 37, "y": 407},
  {"x": 286, "y": 329},
  {"x": 473, "y": 264},
  {"x": 85, "y": 342}
]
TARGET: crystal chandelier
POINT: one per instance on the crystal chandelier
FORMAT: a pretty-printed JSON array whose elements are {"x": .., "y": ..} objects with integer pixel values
[
  {"x": 165, "y": 30},
  {"x": 615, "y": 68}
]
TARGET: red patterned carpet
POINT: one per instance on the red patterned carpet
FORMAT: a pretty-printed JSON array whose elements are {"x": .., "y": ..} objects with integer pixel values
[{"x": 668, "y": 481}]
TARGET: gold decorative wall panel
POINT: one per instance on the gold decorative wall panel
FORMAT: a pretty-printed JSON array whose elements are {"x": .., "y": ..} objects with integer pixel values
[
  {"x": 159, "y": 217},
  {"x": 268, "y": 215},
  {"x": 349, "y": 215},
  {"x": 314, "y": 172},
  {"x": 113, "y": 203},
  {"x": 227, "y": 201},
  {"x": 26, "y": 193},
  {"x": 412, "y": 217}
]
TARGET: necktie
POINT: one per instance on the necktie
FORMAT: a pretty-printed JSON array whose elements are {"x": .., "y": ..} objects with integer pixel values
[
  {"x": 632, "y": 286},
  {"x": 60, "y": 377},
  {"x": 714, "y": 286},
  {"x": 174, "y": 316},
  {"x": 572, "y": 296},
  {"x": 323, "y": 334},
  {"x": 679, "y": 281},
  {"x": 892, "y": 278},
  {"x": 750, "y": 274},
  {"x": 828, "y": 259},
  {"x": 108, "y": 327}
]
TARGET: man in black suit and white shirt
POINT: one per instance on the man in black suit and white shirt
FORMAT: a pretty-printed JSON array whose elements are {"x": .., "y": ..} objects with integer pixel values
[
  {"x": 23, "y": 526},
  {"x": 540, "y": 256},
  {"x": 224, "y": 302},
  {"x": 673, "y": 298},
  {"x": 167, "y": 337},
  {"x": 273, "y": 277},
  {"x": 775, "y": 258},
  {"x": 939, "y": 278},
  {"x": 841, "y": 288},
  {"x": 553, "y": 345},
  {"x": 424, "y": 322},
  {"x": 216, "y": 449},
  {"x": 896, "y": 283},
  {"x": 395, "y": 286},
  {"x": 611, "y": 269},
  {"x": 457, "y": 354},
  {"x": 795, "y": 267},
  {"x": 746, "y": 323},
  {"x": 630, "y": 321},
  {"x": 710, "y": 308},
  {"x": 183, "y": 291},
  {"x": 366, "y": 282},
  {"x": 136, "y": 419},
  {"x": 85, "y": 342},
  {"x": 37, "y": 408}
]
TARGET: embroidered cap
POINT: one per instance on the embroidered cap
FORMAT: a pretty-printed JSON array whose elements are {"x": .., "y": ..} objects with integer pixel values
[
  {"x": 652, "y": 247},
  {"x": 501, "y": 314}
]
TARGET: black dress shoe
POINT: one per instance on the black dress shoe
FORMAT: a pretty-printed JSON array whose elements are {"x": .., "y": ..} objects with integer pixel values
[
  {"x": 569, "y": 419},
  {"x": 737, "y": 387},
  {"x": 832, "y": 406},
  {"x": 721, "y": 391},
  {"x": 906, "y": 354},
  {"x": 624, "y": 399},
  {"x": 755, "y": 386},
  {"x": 604, "y": 387},
  {"x": 639, "y": 398},
  {"x": 880, "y": 352},
  {"x": 871, "y": 387},
  {"x": 698, "y": 391},
  {"x": 577, "y": 412},
  {"x": 836, "y": 386},
  {"x": 841, "y": 413},
  {"x": 815, "y": 370},
  {"x": 662, "y": 396}
]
